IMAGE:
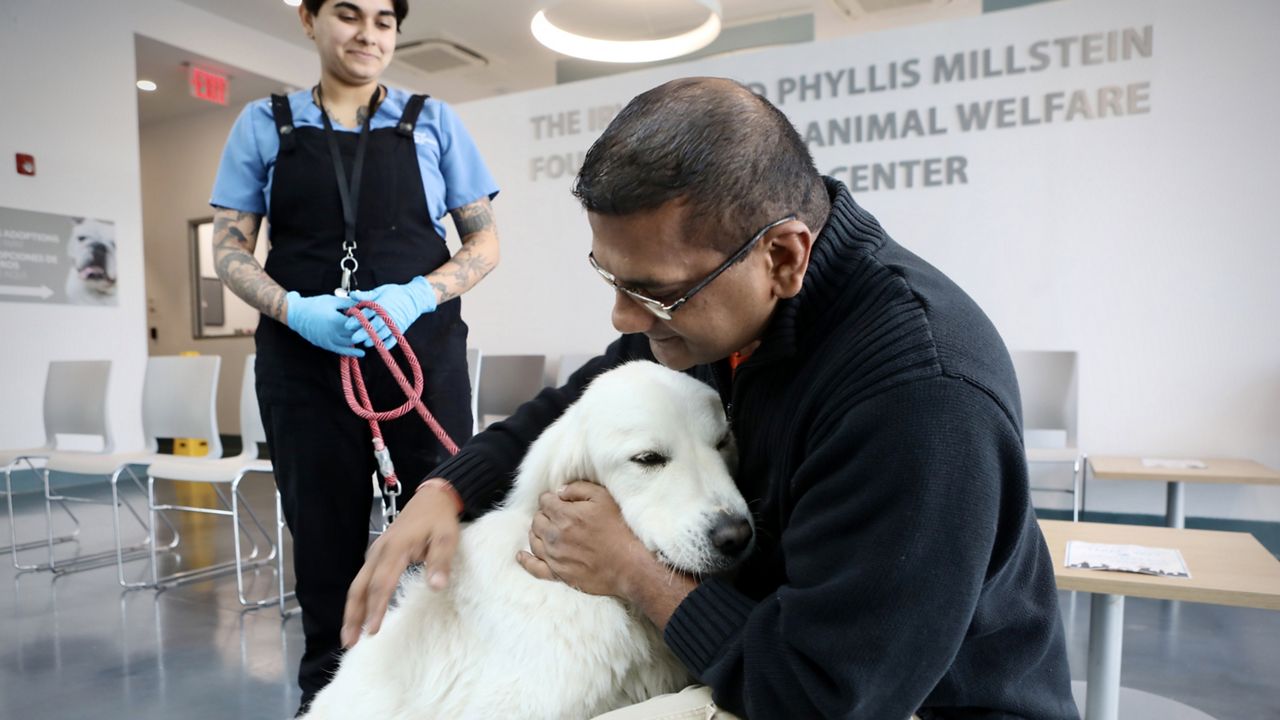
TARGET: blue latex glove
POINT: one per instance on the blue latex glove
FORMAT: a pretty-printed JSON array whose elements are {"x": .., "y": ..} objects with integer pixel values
[
  {"x": 404, "y": 303},
  {"x": 321, "y": 320}
]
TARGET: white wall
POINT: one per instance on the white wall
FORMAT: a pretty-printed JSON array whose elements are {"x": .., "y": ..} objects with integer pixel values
[
  {"x": 1144, "y": 242},
  {"x": 179, "y": 160},
  {"x": 70, "y": 101}
]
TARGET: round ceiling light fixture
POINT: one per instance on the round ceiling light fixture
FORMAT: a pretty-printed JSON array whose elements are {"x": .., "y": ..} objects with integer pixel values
[
  {"x": 146, "y": 86},
  {"x": 621, "y": 19}
]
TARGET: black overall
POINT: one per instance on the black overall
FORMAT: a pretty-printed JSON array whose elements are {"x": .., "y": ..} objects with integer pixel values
[{"x": 322, "y": 452}]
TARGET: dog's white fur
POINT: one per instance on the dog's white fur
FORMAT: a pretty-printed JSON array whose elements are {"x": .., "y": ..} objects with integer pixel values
[
  {"x": 92, "y": 249},
  {"x": 499, "y": 643}
]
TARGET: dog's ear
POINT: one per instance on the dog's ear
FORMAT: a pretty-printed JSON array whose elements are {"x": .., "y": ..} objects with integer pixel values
[{"x": 558, "y": 457}]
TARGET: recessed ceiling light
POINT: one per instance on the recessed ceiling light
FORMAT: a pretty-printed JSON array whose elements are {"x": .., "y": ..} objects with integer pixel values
[
  {"x": 293, "y": 3},
  {"x": 146, "y": 86},
  {"x": 627, "y": 51}
]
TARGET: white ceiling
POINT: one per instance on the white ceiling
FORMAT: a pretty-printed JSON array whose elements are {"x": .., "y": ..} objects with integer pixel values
[{"x": 499, "y": 31}]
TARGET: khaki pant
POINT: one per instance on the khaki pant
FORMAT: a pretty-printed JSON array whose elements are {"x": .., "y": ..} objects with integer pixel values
[{"x": 691, "y": 703}]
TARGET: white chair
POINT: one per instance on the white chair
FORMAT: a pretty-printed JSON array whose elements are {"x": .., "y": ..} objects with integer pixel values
[
  {"x": 569, "y": 364},
  {"x": 225, "y": 472},
  {"x": 507, "y": 381},
  {"x": 179, "y": 396},
  {"x": 1048, "y": 382},
  {"x": 75, "y": 403}
]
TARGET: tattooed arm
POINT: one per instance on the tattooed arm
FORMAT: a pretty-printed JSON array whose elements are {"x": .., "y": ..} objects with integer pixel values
[
  {"x": 477, "y": 257},
  {"x": 235, "y": 235}
]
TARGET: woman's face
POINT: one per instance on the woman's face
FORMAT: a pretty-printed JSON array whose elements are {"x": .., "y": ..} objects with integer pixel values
[{"x": 355, "y": 38}]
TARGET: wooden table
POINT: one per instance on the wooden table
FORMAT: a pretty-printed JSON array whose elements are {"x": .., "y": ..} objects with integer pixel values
[
  {"x": 1227, "y": 568},
  {"x": 1217, "y": 470}
]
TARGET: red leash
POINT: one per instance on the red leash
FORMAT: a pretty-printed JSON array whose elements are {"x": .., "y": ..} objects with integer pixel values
[{"x": 364, "y": 407}]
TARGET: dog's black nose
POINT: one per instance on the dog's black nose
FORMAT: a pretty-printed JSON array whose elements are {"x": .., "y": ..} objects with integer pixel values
[{"x": 731, "y": 535}]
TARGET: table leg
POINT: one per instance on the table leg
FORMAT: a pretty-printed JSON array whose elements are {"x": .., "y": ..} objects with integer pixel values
[
  {"x": 1175, "y": 515},
  {"x": 1106, "y": 633}
]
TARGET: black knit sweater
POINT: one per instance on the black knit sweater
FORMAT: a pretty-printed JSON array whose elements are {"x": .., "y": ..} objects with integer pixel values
[{"x": 898, "y": 567}]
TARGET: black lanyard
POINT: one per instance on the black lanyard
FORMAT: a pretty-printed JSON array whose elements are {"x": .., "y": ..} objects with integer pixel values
[{"x": 349, "y": 193}]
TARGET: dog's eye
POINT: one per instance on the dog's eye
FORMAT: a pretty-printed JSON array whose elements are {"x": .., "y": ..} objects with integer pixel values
[
  {"x": 724, "y": 441},
  {"x": 650, "y": 458}
]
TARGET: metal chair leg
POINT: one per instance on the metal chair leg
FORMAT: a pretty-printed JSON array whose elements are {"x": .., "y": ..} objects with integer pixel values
[
  {"x": 230, "y": 507},
  {"x": 117, "y": 554},
  {"x": 133, "y": 552},
  {"x": 285, "y": 613},
  {"x": 1084, "y": 479},
  {"x": 275, "y": 554},
  {"x": 1075, "y": 491},
  {"x": 151, "y": 529},
  {"x": 14, "y": 546}
]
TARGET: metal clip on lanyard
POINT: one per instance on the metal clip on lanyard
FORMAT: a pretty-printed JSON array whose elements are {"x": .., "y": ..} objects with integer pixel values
[{"x": 349, "y": 193}]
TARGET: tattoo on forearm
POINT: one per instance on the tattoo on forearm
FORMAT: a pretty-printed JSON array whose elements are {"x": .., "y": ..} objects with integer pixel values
[
  {"x": 224, "y": 225},
  {"x": 239, "y": 269},
  {"x": 478, "y": 256},
  {"x": 462, "y": 272},
  {"x": 473, "y": 218}
]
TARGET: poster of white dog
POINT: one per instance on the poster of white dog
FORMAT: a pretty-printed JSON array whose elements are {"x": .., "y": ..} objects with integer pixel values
[
  {"x": 91, "y": 279},
  {"x": 499, "y": 643},
  {"x": 51, "y": 258}
]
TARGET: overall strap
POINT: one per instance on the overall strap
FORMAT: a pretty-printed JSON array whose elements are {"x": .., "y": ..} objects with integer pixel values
[
  {"x": 283, "y": 115},
  {"x": 409, "y": 120}
]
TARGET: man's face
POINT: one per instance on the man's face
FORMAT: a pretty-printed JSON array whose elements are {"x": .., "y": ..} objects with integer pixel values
[
  {"x": 653, "y": 253},
  {"x": 355, "y": 38}
]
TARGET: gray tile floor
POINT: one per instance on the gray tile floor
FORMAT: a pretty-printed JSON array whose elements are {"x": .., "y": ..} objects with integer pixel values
[{"x": 77, "y": 646}]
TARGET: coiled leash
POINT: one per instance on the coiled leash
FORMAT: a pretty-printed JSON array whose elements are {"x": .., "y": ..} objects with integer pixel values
[
  {"x": 349, "y": 195},
  {"x": 353, "y": 386}
]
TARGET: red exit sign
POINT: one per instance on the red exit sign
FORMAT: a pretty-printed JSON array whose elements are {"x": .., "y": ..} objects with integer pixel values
[{"x": 208, "y": 85}]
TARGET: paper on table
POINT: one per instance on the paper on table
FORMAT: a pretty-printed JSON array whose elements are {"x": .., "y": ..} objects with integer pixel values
[
  {"x": 1166, "y": 562},
  {"x": 1173, "y": 464}
]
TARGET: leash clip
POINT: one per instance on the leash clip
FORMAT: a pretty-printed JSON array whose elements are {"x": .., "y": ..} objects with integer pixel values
[
  {"x": 390, "y": 484},
  {"x": 386, "y": 468}
]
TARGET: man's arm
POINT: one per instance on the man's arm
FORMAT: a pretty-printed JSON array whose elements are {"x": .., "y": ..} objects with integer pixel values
[
  {"x": 235, "y": 235},
  {"x": 477, "y": 257}
]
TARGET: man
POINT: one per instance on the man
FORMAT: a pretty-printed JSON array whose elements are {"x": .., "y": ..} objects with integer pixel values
[{"x": 898, "y": 566}]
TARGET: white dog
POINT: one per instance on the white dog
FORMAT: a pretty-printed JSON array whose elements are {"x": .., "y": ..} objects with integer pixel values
[
  {"x": 499, "y": 643},
  {"x": 92, "y": 277}
]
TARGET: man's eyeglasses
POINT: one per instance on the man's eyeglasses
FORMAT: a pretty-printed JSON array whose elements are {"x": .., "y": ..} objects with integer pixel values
[{"x": 663, "y": 310}]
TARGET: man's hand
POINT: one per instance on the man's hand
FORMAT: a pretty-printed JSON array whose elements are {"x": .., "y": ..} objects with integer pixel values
[
  {"x": 579, "y": 537},
  {"x": 426, "y": 531}
]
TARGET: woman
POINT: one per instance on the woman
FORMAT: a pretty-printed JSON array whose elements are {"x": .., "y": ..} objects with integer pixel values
[{"x": 353, "y": 178}]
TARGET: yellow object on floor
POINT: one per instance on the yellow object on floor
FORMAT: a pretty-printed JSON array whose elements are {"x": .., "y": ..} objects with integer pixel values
[{"x": 194, "y": 447}]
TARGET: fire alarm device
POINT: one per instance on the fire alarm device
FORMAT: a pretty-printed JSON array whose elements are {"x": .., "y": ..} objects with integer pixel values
[{"x": 26, "y": 164}]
